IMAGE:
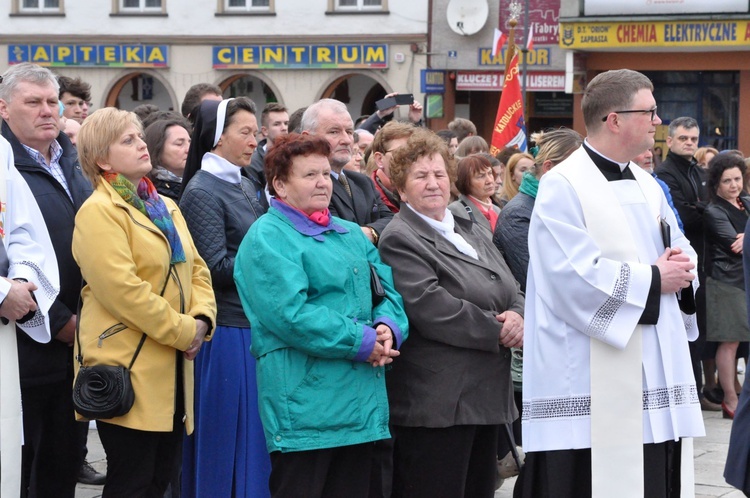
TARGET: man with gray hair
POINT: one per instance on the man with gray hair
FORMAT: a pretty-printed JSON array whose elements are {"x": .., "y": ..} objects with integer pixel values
[
  {"x": 609, "y": 401},
  {"x": 354, "y": 197},
  {"x": 46, "y": 159}
]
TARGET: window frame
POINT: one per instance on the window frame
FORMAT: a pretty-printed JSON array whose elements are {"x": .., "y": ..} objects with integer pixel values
[
  {"x": 248, "y": 8},
  {"x": 17, "y": 8},
  {"x": 118, "y": 7},
  {"x": 360, "y": 7},
  {"x": 223, "y": 9}
]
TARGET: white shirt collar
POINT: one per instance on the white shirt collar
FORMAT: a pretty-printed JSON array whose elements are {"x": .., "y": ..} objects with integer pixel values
[{"x": 221, "y": 168}]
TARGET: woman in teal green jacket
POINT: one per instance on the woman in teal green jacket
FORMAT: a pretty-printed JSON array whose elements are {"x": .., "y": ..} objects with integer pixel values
[{"x": 320, "y": 335}]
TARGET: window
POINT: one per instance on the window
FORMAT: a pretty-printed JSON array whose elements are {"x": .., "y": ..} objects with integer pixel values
[
  {"x": 40, "y": 6},
  {"x": 359, "y": 5},
  {"x": 128, "y": 6},
  {"x": 248, "y": 5}
]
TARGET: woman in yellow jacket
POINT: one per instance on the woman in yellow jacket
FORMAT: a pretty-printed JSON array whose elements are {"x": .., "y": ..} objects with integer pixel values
[{"x": 130, "y": 244}]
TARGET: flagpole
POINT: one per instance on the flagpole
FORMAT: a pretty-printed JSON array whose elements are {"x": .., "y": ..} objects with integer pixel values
[{"x": 511, "y": 44}]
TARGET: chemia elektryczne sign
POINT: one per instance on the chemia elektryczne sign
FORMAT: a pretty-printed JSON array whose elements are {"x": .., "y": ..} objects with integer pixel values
[
  {"x": 368, "y": 56},
  {"x": 693, "y": 33},
  {"x": 63, "y": 55}
]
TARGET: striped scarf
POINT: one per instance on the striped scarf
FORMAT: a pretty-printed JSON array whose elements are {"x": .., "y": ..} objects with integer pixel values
[{"x": 146, "y": 200}]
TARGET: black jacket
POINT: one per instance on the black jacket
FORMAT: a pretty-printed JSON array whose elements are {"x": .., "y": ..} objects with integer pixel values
[
  {"x": 687, "y": 184},
  {"x": 256, "y": 173},
  {"x": 723, "y": 223},
  {"x": 41, "y": 364},
  {"x": 219, "y": 214},
  {"x": 168, "y": 188},
  {"x": 512, "y": 235},
  {"x": 364, "y": 207}
]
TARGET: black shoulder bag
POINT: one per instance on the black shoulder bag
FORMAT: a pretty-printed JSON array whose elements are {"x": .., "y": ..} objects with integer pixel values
[{"x": 105, "y": 391}]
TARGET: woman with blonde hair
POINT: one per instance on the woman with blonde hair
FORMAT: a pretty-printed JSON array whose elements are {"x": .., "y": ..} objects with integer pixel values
[
  {"x": 704, "y": 155},
  {"x": 517, "y": 165},
  {"x": 147, "y": 296}
]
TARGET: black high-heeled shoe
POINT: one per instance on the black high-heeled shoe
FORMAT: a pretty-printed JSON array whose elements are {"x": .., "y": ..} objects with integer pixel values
[{"x": 726, "y": 412}]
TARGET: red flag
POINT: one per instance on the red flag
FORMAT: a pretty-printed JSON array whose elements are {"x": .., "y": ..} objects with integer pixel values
[
  {"x": 510, "y": 129},
  {"x": 498, "y": 42},
  {"x": 530, "y": 39}
]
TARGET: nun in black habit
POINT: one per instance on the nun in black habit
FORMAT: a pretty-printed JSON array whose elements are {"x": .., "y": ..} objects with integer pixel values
[{"x": 226, "y": 455}]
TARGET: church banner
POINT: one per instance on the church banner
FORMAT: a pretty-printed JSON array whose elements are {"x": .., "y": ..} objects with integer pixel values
[{"x": 510, "y": 128}]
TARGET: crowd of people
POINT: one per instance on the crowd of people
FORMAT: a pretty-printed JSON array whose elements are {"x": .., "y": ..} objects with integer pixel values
[{"x": 312, "y": 308}]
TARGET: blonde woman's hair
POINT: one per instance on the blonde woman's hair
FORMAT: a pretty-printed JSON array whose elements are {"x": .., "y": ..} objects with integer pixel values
[
  {"x": 510, "y": 189},
  {"x": 555, "y": 146},
  {"x": 100, "y": 130}
]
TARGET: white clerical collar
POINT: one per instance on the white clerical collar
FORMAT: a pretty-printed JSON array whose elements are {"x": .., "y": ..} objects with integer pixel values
[
  {"x": 221, "y": 168},
  {"x": 593, "y": 149}
]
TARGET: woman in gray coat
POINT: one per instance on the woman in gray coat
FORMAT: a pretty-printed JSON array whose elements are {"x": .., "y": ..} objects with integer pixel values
[{"x": 452, "y": 387}]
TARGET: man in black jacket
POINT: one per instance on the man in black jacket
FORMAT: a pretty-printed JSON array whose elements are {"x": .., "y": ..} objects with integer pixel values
[
  {"x": 274, "y": 123},
  {"x": 687, "y": 184},
  {"x": 354, "y": 196},
  {"x": 48, "y": 162}
]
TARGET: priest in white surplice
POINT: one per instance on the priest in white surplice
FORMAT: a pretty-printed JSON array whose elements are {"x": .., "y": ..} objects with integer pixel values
[
  {"x": 28, "y": 267},
  {"x": 609, "y": 398}
]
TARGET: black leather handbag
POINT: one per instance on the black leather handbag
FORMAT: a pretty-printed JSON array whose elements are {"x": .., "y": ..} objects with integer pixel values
[{"x": 102, "y": 392}]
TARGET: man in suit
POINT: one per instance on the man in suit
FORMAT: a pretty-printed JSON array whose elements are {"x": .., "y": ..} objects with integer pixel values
[{"x": 354, "y": 196}]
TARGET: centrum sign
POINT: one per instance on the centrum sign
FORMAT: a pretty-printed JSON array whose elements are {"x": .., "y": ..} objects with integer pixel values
[
  {"x": 493, "y": 81},
  {"x": 655, "y": 34}
]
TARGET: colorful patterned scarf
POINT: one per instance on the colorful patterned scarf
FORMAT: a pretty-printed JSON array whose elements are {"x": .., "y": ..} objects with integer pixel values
[{"x": 147, "y": 201}]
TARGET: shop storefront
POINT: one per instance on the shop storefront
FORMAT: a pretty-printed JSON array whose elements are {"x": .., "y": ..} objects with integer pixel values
[
  {"x": 474, "y": 76},
  {"x": 127, "y": 75},
  {"x": 700, "y": 65}
]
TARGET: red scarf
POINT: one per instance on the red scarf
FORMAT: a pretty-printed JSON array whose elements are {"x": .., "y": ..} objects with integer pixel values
[
  {"x": 488, "y": 213},
  {"x": 322, "y": 218}
]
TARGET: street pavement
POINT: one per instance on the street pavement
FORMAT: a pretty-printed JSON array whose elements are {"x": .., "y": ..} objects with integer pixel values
[{"x": 710, "y": 455}]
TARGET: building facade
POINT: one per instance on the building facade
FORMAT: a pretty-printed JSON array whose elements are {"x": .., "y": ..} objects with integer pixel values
[
  {"x": 697, "y": 53},
  {"x": 292, "y": 51},
  {"x": 461, "y": 42}
]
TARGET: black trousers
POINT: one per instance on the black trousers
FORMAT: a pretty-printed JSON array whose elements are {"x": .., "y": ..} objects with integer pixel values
[
  {"x": 50, "y": 455},
  {"x": 331, "y": 472},
  {"x": 697, "y": 347},
  {"x": 451, "y": 462},
  {"x": 567, "y": 473},
  {"x": 82, "y": 438},
  {"x": 139, "y": 463}
]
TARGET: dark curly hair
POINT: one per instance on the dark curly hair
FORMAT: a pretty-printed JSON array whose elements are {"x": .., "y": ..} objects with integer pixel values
[
  {"x": 718, "y": 165},
  {"x": 278, "y": 163}
]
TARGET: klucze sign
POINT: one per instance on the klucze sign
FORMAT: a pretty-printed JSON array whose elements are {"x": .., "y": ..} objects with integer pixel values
[{"x": 493, "y": 81}]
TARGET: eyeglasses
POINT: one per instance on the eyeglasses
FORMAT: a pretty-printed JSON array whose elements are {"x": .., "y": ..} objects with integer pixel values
[{"x": 652, "y": 111}]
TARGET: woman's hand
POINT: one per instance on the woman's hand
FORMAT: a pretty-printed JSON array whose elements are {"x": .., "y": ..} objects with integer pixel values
[
  {"x": 511, "y": 335},
  {"x": 736, "y": 246},
  {"x": 201, "y": 329},
  {"x": 383, "y": 352}
]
